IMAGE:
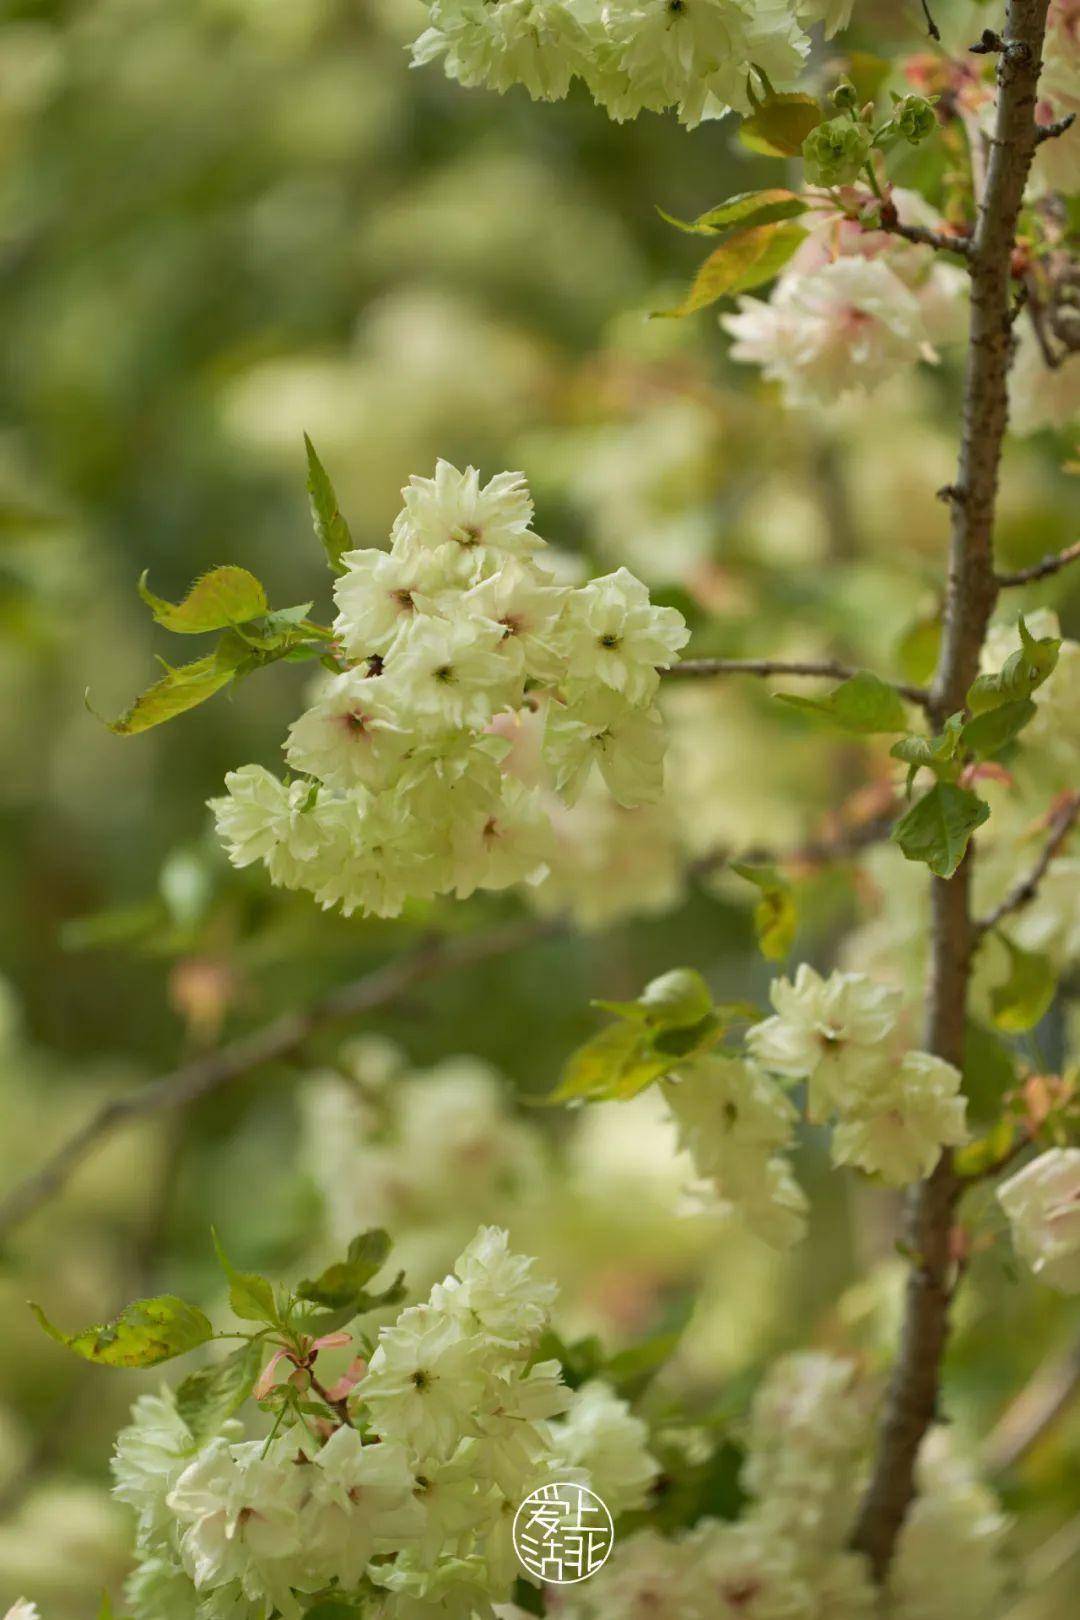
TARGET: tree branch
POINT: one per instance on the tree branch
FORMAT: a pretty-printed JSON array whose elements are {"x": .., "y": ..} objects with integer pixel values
[
  {"x": 1060, "y": 825},
  {"x": 279, "y": 1039},
  {"x": 911, "y": 1404},
  {"x": 925, "y": 236},
  {"x": 1053, "y": 564},
  {"x": 1050, "y": 132},
  {"x": 827, "y": 669},
  {"x": 1051, "y": 1389}
]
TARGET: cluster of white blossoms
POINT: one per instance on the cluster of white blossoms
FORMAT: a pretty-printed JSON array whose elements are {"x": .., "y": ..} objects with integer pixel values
[
  {"x": 735, "y": 1121},
  {"x": 808, "y": 1443},
  {"x": 694, "y": 56},
  {"x": 894, "y": 1109},
  {"x": 1057, "y": 162},
  {"x": 853, "y": 309},
  {"x": 1042, "y": 1202},
  {"x": 411, "y": 1502},
  {"x": 399, "y": 791}
]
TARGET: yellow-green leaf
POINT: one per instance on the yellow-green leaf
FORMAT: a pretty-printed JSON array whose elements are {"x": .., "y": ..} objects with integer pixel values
[
  {"x": 1024, "y": 999},
  {"x": 147, "y": 1332},
  {"x": 251, "y": 1297},
  {"x": 776, "y": 916},
  {"x": 207, "y": 1398},
  {"x": 180, "y": 689},
  {"x": 673, "y": 1001},
  {"x": 988, "y": 733},
  {"x": 780, "y": 124},
  {"x": 978, "y": 1157},
  {"x": 223, "y": 597},
  {"x": 343, "y": 1285},
  {"x": 746, "y": 259},
  {"x": 746, "y": 209},
  {"x": 617, "y": 1063}
]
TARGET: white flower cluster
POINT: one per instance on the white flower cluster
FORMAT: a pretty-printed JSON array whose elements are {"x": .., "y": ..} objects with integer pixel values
[
  {"x": 895, "y": 1110},
  {"x": 634, "y": 55},
  {"x": 809, "y": 1438},
  {"x": 853, "y": 309},
  {"x": 400, "y": 793},
  {"x": 1042, "y": 1202},
  {"x": 735, "y": 1121},
  {"x": 410, "y": 1503},
  {"x": 1057, "y": 162}
]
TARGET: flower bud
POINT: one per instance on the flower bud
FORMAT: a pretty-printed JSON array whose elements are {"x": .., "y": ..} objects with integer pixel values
[
  {"x": 914, "y": 118},
  {"x": 845, "y": 98},
  {"x": 836, "y": 151}
]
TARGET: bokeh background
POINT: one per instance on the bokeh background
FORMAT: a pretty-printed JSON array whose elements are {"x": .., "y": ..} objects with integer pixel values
[{"x": 223, "y": 223}]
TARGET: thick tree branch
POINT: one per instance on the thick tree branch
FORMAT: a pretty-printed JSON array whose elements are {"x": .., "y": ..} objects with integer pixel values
[
  {"x": 826, "y": 669},
  {"x": 1052, "y": 564},
  {"x": 279, "y": 1039},
  {"x": 1060, "y": 825},
  {"x": 911, "y": 1404}
]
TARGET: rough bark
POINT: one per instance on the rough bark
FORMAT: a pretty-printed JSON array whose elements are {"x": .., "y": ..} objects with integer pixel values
[{"x": 911, "y": 1404}]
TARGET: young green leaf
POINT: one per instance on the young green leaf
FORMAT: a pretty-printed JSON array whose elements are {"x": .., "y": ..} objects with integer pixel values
[
  {"x": 988, "y": 733},
  {"x": 937, "y": 754},
  {"x": 616, "y": 1063},
  {"x": 1024, "y": 999},
  {"x": 776, "y": 916},
  {"x": 978, "y": 1158},
  {"x": 779, "y": 124},
  {"x": 862, "y": 704},
  {"x": 1022, "y": 673},
  {"x": 147, "y": 1332},
  {"x": 672, "y": 1001},
  {"x": 208, "y": 1397},
  {"x": 937, "y": 828},
  {"x": 223, "y": 597},
  {"x": 746, "y": 209},
  {"x": 331, "y": 529},
  {"x": 343, "y": 1285},
  {"x": 746, "y": 259},
  {"x": 251, "y": 1297}
]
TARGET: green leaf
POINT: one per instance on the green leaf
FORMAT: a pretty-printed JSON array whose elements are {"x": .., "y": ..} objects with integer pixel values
[
  {"x": 207, "y": 1398},
  {"x": 748, "y": 208},
  {"x": 180, "y": 689},
  {"x": 331, "y": 528},
  {"x": 223, "y": 597},
  {"x": 780, "y": 124},
  {"x": 580, "y": 1360},
  {"x": 1024, "y": 999},
  {"x": 251, "y": 1297},
  {"x": 937, "y": 828},
  {"x": 342, "y": 1285},
  {"x": 147, "y": 1332},
  {"x": 672, "y": 1001},
  {"x": 978, "y": 1157},
  {"x": 616, "y": 1064},
  {"x": 937, "y": 754},
  {"x": 862, "y": 704},
  {"x": 744, "y": 260},
  {"x": 987, "y": 734},
  {"x": 776, "y": 916},
  {"x": 1022, "y": 673},
  {"x": 989, "y": 1072}
]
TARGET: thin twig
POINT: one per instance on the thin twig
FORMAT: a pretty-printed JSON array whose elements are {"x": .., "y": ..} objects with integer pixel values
[
  {"x": 279, "y": 1039},
  {"x": 1052, "y": 564},
  {"x": 1050, "y": 1390},
  {"x": 826, "y": 669},
  {"x": 912, "y": 1402},
  {"x": 1059, "y": 825},
  {"x": 814, "y": 852},
  {"x": 1050, "y": 132},
  {"x": 925, "y": 236},
  {"x": 931, "y": 26}
]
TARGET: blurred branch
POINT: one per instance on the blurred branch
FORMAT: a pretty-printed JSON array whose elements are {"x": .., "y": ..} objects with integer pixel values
[
  {"x": 828, "y": 669},
  {"x": 836, "y": 846},
  {"x": 1060, "y": 824},
  {"x": 279, "y": 1039},
  {"x": 1042, "y": 570},
  {"x": 1050, "y": 1390}
]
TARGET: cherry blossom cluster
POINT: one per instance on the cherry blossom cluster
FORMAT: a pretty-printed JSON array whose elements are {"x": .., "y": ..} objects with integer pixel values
[
  {"x": 694, "y": 56},
  {"x": 1042, "y": 1203},
  {"x": 408, "y": 1503},
  {"x": 401, "y": 789},
  {"x": 808, "y": 1441},
  {"x": 894, "y": 1109},
  {"x": 854, "y": 308}
]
